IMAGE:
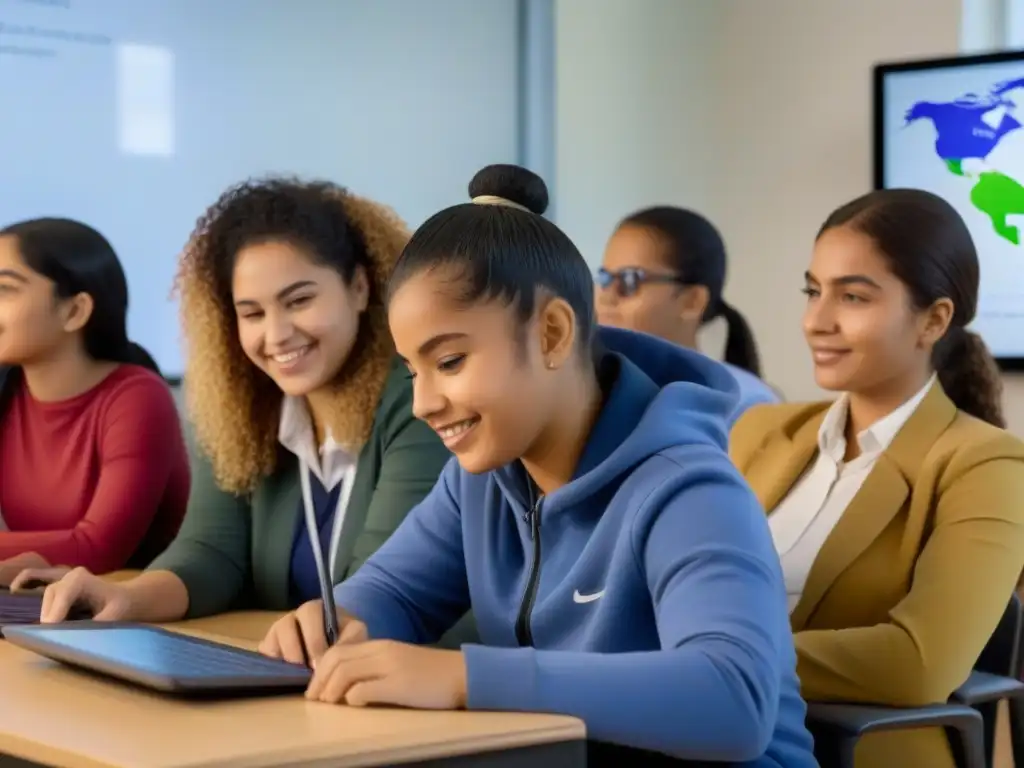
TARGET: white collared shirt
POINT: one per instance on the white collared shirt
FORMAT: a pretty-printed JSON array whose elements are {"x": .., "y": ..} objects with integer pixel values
[
  {"x": 806, "y": 516},
  {"x": 331, "y": 464},
  {"x": 295, "y": 432}
]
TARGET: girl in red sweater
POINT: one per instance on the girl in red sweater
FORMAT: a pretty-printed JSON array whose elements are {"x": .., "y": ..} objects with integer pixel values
[{"x": 93, "y": 467}]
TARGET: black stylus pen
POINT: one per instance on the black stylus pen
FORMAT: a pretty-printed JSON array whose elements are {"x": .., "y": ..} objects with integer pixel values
[
  {"x": 330, "y": 617},
  {"x": 323, "y": 569}
]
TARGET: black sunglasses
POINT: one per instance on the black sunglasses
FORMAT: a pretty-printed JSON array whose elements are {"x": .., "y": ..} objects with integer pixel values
[{"x": 627, "y": 281}]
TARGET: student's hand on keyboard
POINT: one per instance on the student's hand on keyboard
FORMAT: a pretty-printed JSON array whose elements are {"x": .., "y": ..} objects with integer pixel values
[
  {"x": 33, "y": 578},
  {"x": 10, "y": 568},
  {"x": 388, "y": 672},
  {"x": 300, "y": 636},
  {"x": 107, "y": 601}
]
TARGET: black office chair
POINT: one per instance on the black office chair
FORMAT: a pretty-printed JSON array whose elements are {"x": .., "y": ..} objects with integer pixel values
[
  {"x": 969, "y": 717},
  {"x": 838, "y": 727},
  {"x": 997, "y": 677}
]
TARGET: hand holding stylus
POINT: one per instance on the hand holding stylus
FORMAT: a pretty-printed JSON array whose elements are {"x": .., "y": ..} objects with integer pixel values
[{"x": 301, "y": 636}]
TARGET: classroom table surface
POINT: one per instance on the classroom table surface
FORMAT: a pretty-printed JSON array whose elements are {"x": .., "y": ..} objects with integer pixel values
[
  {"x": 242, "y": 628},
  {"x": 55, "y": 715}
]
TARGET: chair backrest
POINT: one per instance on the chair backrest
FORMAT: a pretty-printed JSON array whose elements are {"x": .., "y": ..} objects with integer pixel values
[{"x": 1002, "y": 656}]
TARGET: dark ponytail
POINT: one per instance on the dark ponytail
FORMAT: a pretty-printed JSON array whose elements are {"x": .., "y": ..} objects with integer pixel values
[
  {"x": 740, "y": 348},
  {"x": 134, "y": 354},
  {"x": 929, "y": 248},
  {"x": 696, "y": 251},
  {"x": 969, "y": 375}
]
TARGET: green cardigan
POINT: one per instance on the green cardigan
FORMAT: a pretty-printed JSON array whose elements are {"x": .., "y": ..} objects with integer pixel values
[{"x": 235, "y": 552}]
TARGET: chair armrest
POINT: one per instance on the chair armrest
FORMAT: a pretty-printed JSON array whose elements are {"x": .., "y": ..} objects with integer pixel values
[
  {"x": 859, "y": 719},
  {"x": 985, "y": 688},
  {"x": 844, "y": 724}
]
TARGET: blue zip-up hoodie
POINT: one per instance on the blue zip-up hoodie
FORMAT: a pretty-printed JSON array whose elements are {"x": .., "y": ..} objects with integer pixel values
[
  {"x": 645, "y": 597},
  {"x": 752, "y": 390}
]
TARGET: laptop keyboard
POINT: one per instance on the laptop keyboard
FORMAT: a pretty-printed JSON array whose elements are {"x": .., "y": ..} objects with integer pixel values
[
  {"x": 24, "y": 608},
  {"x": 20, "y": 609},
  {"x": 204, "y": 661}
]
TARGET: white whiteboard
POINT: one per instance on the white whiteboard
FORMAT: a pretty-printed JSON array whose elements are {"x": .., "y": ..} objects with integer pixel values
[{"x": 133, "y": 115}]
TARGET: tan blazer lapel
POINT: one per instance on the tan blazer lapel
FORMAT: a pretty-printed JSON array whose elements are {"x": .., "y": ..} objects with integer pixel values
[
  {"x": 875, "y": 504},
  {"x": 878, "y": 501},
  {"x": 781, "y": 460}
]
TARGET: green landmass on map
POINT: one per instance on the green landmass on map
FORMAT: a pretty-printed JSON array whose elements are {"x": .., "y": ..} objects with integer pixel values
[
  {"x": 998, "y": 196},
  {"x": 970, "y": 128}
]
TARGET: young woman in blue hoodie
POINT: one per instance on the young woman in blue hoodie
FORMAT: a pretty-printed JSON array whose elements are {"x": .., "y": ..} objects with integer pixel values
[{"x": 618, "y": 567}]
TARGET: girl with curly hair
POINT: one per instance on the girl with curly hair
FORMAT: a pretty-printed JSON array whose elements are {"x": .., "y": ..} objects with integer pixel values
[
  {"x": 94, "y": 470},
  {"x": 308, "y": 455},
  {"x": 896, "y": 508}
]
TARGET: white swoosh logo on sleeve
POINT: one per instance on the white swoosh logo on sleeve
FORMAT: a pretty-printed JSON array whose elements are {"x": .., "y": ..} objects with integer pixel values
[{"x": 577, "y": 597}]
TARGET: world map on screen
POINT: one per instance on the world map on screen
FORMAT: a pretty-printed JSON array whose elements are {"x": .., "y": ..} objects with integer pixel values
[{"x": 968, "y": 130}]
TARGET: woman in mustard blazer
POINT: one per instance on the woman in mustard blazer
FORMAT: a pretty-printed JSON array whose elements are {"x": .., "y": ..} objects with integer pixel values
[{"x": 898, "y": 509}]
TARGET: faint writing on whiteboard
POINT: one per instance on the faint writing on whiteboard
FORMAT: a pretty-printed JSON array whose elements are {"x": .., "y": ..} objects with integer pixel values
[
  {"x": 36, "y": 41},
  {"x": 53, "y": 33},
  {"x": 47, "y": 3}
]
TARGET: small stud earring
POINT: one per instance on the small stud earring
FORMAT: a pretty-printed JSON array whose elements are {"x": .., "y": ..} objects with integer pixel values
[{"x": 551, "y": 364}]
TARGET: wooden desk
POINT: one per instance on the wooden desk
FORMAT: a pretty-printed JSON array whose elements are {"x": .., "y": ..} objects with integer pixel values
[
  {"x": 51, "y": 715},
  {"x": 242, "y": 628}
]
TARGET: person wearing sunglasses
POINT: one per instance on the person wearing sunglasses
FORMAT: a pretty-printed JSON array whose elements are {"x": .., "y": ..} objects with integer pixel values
[{"x": 663, "y": 274}]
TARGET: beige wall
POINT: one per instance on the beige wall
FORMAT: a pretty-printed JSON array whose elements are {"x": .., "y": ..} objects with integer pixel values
[
  {"x": 757, "y": 113},
  {"x": 634, "y": 109}
]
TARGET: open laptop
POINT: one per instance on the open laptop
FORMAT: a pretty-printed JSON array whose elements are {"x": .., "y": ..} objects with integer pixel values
[
  {"x": 160, "y": 660},
  {"x": 24, "y": 608}
]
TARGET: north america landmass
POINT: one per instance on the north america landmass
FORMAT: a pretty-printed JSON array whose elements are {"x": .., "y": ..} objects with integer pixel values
[{"x": 967, "y": 130}]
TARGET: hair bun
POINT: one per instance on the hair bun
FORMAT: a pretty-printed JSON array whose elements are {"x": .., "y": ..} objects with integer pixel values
[{"x": 513, "y": 183}]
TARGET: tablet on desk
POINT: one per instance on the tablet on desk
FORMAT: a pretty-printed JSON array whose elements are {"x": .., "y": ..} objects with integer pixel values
[{"x": 161, "y": 660}]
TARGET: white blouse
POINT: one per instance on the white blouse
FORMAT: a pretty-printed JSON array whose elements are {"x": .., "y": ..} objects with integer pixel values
[
  {"x": 808, "y": 513},
  {"x": 331, "y": 463}
]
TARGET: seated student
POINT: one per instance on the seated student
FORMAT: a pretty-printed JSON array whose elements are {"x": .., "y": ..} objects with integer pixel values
[
  {"x": 93, "y": 467},
  {"x": 618, "y": 567},
  {"x": 897, "y": 509},
  {"x": 663, "y": 274},
  {"x": 309, "y": 453}
]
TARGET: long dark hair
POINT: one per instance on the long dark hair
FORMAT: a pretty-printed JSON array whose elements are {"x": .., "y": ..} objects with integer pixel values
[
  {"x": 929, "y": 248},
  {"x": 506, "y": 251},
  {"x": 78, "y": 259},
  {"x": 696, "y": 251}
]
